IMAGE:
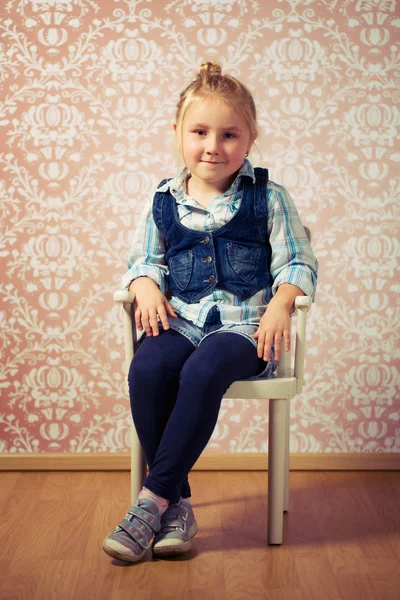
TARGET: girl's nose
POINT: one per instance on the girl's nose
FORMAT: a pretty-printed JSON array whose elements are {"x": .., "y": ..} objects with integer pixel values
[{"x": 212, "y": 145}]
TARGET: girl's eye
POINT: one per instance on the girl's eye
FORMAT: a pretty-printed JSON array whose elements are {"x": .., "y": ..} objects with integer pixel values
[{"x": 227, "y": 135}]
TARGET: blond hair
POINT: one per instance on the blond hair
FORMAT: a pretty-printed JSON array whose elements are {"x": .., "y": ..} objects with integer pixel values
[{"x": 211, "y": 83}]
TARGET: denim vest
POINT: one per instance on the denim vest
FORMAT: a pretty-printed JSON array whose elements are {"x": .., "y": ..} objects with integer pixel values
[{"x": 235, "y": 257}]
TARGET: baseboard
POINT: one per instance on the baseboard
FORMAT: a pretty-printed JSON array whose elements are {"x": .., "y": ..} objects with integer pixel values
[{"x": 209, "y": 461}]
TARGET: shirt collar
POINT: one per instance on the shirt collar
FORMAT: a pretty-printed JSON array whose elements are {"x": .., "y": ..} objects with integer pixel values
[{"x": 178, "y": 183}]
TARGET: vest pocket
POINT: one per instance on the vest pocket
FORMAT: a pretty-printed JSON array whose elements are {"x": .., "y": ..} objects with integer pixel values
[
  {"x": 181, "y": 267},
  {"x": 244, "y": 260}
]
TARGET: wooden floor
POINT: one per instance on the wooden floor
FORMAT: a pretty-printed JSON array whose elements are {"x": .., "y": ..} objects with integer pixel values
[{"x": 341, "y": 539}]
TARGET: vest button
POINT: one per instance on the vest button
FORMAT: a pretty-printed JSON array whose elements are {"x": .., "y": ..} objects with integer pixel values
[
  {"x": 211, "y": 279},
  {"x": 205, "y": 240},
  {"x": 207, "y": 260}
]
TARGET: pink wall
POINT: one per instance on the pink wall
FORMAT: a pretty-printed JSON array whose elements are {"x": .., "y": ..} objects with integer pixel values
[{"x": 88, "y": 94}]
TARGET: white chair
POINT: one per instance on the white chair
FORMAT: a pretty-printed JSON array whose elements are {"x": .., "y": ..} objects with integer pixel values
[{"x": 284, "y": 385}]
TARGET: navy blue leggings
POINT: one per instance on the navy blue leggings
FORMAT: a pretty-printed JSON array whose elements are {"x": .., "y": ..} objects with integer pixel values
[{"x": 175, "y": 392}]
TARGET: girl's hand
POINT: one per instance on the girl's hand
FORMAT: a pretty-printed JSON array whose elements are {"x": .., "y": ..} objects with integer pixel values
[
  {"x": 273, "y": 325},
  {"x": 151, "y": 304}
]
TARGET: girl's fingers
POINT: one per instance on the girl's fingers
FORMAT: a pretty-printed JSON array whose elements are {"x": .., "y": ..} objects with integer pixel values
[
  {"x": 267, "y": 347},
  {"x": 138, "y": 319},
  {"x": 260, "y": 344},
  {"x": 163, "y": 316},
  {"x": 170, "y": 310},
  {"x": 278, "y": 344},
  {"x": 277, "y": 351},
  {"x": 148, "y": 318},
  {"x": 146, "y": 323},
  {"x": 286, "y": 335},
  {"x": 153, "y": 321}
]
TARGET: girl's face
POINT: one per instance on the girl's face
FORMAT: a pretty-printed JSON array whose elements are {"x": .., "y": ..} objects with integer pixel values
[{"x": 215, "y": 140}]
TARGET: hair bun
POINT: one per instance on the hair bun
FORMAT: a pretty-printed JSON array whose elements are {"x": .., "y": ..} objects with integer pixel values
[{"x": 209, "y": 70}]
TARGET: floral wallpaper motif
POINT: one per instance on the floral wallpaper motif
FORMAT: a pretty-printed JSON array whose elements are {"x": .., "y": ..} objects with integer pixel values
[{"x": 87, "y": 99}]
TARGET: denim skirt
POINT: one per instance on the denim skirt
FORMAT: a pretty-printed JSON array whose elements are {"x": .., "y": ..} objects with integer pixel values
[{"x": 213, "y": 326}]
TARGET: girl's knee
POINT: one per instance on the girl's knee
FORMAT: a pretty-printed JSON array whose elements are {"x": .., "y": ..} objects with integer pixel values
[
  {"x": 144, "y": 369},
  {"x": 199, "y": 374}
]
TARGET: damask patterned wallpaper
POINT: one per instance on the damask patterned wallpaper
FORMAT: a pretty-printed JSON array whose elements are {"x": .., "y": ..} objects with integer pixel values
[{"x": 88, "y": 94}]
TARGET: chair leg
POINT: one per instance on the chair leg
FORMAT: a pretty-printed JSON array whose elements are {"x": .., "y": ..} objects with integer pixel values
[
  {"x": 276, "y": 468},
  {"x": 138, "y": 465},
  {"x": 287, "y": 456}
]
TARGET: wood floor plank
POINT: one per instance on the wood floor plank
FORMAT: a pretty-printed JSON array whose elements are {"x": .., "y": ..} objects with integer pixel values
[
  {"x": 58, "y": 580},
  {"x": 7, "y": 483},
  {"x": 16, "y": 587},
  {"x": 383, "y": 493},
  {"x": 244, "y": 539},
  {"x": 113, "y": 500},
  {"x": 350, "y": 525},
  {"x": 382, "y": 583},
  {"x": 28, "y": 527},
  {"x": 341, "y": 539}
]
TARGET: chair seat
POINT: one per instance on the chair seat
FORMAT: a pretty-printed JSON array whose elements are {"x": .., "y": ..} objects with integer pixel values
[{"x": 274, "y": 387}]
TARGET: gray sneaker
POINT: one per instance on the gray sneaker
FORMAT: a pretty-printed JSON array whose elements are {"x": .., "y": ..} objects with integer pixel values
[
  {"x": 178, "y": 526},
  {"x": 132, "y": 536}
]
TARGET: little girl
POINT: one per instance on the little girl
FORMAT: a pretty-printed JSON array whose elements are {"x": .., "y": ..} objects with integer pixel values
[{"x": 229, "y": 247}]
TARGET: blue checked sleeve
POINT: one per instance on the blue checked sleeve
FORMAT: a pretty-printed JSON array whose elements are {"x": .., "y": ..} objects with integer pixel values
[
  {"x": 292, "y": 259},
  {"x": 147, "y": 255}
]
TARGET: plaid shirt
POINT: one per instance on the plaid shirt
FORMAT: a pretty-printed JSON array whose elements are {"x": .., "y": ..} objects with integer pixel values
[{"x": 292, "y": 258}]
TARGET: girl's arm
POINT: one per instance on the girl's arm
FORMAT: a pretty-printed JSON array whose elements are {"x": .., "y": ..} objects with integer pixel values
[
  {"x": 147, "y": 275},
  {"x": 294, "y": 269},
  {"x": 147, "y": 254},
  {"x": 292, "y": 258},
  {"x": 286, "y": 295}
]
